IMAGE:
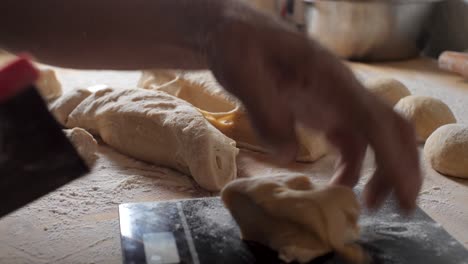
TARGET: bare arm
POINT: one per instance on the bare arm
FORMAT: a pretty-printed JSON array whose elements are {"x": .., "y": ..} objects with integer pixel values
[
  {"x": 281, "y": 76},
  {"x": 114, "y": 34}
]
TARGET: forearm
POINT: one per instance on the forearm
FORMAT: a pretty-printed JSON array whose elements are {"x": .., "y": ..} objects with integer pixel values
[{"x": 114, "y": 34}]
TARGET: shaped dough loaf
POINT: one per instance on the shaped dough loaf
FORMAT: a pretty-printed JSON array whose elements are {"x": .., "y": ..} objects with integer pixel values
[
  {"x": 64, "y": 105},
  {"x": 227, "y": 114},
  {"x": 162, "y": 129},
  {"x": 299, "y": 220}
]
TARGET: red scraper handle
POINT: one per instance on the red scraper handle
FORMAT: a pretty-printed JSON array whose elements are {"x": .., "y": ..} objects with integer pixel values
[{"x": 16, "y": 76}]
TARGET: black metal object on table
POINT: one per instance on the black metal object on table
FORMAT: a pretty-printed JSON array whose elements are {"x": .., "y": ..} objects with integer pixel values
[
  {"x": 203, "y": 231},
  {"x": 35, "y": 155}
]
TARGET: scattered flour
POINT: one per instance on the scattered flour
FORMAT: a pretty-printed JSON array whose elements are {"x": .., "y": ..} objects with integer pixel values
[{"x": 79, "y": 222}]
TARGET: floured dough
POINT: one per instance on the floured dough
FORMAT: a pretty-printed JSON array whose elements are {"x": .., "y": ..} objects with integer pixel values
[
  {"x": 426, "y": 113},
  {"x": 64, "y": 105},
  {"x": 447, "y": 150},
  {"x": 48, "y": 85},
  {"x": 84, "y": 143},
  {"x": 227, "y": 114},
  {"x": 299, "y": 220},
  {"x": 196, "y": 93},
  {"x": 389, "y": 89},
  {"x": 162, "y": 129}
]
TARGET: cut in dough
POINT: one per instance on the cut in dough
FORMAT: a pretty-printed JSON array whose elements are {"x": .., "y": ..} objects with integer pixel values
[
  {"x": 227, "y": 114},
  {"x": 64, "y": 105},
  {"x": 84, "y": 143},
  {"x": 426, "y": 113},
  {"x": 447, "y": 150},
  {"x": 162, "y": 129},
  {"x": 48, "y": 85},
  {"x": 292, "y": 216},
  {"x": 389, "y": 89}
]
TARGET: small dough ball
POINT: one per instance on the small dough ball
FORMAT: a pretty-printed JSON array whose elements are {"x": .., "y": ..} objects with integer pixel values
[
  {"x": 389, "y": 89},
  {"x": 63, "y": 106},
  {"x": 447, "y": 150},
  {"x": 84, "y": 143},
  {"x": 296, "y": 218},
  {"x": 426, "y": 113},
  {"x": 48, "y": 85}
]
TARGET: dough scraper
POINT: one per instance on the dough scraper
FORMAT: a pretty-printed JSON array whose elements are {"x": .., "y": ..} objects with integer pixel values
[
  {"x": 201, "y": 231},
  {"x": 35, "y": 156}
]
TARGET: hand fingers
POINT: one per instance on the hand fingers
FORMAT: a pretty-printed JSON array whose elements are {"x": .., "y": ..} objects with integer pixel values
[
  {"x": 409, "y": 182},
  {"x": 256, "y": 85},
  {"x": 394, "y": 142},
  {"x": 275, "y": 124},
  {"x": 377, "y": 190},
  {"x": 352, "y": 149}
]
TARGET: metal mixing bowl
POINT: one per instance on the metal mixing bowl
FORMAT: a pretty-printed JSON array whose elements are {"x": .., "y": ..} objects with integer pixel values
[{"x": 367, "y": 30}]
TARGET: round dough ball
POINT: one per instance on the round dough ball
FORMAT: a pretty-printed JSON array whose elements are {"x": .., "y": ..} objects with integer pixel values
[
  {"x": 389, "y": 89},
  {"x": 447, "y": 150},
  {"x": 426, "y": 113}
]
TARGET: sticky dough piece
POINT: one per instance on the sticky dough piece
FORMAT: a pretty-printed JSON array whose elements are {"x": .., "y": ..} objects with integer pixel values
[
  {"x": 162, "y": 129},
  {"x": 447, "y": 150},
  {"x": 64, "y": 105},
  {"x": 426, "y": 113},
  {"x": 48, "y": 85},
  {"x": 228, "y": 115},
  {"x": 84, "y": 143},
  {"x": 296, "y": 218}
]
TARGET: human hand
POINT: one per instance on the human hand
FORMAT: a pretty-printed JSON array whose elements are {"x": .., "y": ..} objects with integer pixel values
[{"x": 282, "y": 78}]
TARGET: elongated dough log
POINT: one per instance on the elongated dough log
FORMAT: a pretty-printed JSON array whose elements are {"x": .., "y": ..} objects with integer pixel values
[
  {"x": 64, "y": 105},
  {"x": 299, "y": 220},
  {"x": 162, "y": 129},
  {"x": 227, "y": 114}
]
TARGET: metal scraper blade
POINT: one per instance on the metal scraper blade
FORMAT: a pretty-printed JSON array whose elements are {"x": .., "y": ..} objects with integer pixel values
[{"x": 35, "y": 156}]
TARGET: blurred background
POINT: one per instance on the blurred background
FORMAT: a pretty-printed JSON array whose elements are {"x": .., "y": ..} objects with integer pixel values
[
  {"x": 370, "y": 30},
  {"x": 448, "y": 27}
]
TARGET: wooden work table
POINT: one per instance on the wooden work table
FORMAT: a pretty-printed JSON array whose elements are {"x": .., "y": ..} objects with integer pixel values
[{"x": 79, "y": 222}]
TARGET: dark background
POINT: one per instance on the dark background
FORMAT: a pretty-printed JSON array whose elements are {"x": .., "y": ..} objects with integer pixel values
[{"x": 448, "y": 27}]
